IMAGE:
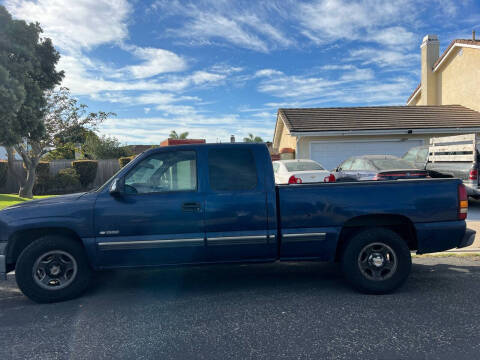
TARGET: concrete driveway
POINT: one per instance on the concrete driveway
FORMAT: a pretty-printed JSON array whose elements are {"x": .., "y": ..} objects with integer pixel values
[{"x": 276, "y": 311}]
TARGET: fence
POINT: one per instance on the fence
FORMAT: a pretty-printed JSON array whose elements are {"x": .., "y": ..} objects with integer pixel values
[{"x": 106, "y": 169}]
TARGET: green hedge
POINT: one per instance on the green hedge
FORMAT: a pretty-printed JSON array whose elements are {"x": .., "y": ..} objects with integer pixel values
[
  {"x": 86, "y": 170},
  {"x": 3, "y": 172},
  {"x": 124, "y": 160},
  {"x": 66, "y": 181}
]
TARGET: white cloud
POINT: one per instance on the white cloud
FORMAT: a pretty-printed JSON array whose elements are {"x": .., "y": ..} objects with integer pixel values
[
  {"x": 395, "y": 37},
  {"x": 337, "y": 67},
  {"x": 77, "y": 27},
  {"x": 267, "y": 73},
  {"x": 337, "y": 84},
  {"x": 327, "y": 21},
  {"x": 358, "y": 75},
  {"x": 76, "y": 24},
  {"x": 226, "y": 69},
  {"x": 155, "y": 61},
  {"x": 278, "y": 84},
  {"x": 382, "y": 57},
  {"x": 296, "y": 86},
  {"x": 87, "y": 77},
  {"x": 243, "y": 24}
]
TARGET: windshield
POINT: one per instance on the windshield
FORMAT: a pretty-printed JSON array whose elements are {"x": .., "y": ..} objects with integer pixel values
[
  {"x": 303, "y": 166},
  {"x": 391, "y": 164}
]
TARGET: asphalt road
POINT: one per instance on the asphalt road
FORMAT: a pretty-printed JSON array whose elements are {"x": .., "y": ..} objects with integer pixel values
[{"x": 290, "y": 311}]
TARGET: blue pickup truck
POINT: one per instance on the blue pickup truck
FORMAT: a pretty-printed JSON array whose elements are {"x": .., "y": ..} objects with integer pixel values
[{"x": 218, "y": 203}]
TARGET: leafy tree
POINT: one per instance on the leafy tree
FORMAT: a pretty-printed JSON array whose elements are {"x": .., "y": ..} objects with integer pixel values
[
  {"x": 27, "y": 71},
  {"x": 64, "y": 120},
  {"x": 174, "y": 135},
  {"x": 253, "y": 139},
  {"x": 104, "y": 147}
]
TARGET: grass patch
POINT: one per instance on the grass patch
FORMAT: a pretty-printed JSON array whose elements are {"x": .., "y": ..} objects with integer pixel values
[{"x": 12, "y": 199}]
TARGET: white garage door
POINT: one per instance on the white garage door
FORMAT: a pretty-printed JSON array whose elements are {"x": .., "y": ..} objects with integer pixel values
[{"x": 331, "y": 154}]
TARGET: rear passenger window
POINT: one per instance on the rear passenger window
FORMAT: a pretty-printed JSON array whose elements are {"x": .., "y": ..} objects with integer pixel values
[
  {"x": 232, "y": 169},
  {"x": 358, "y": 164}
]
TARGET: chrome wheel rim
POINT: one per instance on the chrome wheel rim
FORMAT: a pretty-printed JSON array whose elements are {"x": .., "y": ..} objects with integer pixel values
[
  {"x": 377, "y": 261},
  {"x": 54, "y": 270}
]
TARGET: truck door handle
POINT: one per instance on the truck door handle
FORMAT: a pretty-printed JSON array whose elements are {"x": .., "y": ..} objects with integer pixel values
[{"x": 191, "y": 206}]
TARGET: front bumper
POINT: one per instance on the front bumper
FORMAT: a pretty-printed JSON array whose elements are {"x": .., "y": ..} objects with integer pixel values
[
  {"x": 3, "y": 261},
  {"x": 467, "y": 239}
]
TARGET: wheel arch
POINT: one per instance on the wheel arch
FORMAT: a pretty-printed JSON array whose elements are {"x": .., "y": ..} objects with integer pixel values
[
  {"x": 19, "y": 240},
  {"x": 401, "y": 224}
]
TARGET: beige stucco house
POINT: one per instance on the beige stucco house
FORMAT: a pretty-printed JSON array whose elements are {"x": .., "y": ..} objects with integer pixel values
[
  {"x": 450, "y": 89},
  {"x": 452, "y": 78}
]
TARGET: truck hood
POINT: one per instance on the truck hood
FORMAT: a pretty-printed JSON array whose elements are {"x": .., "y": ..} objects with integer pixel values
[
  {"x": 58, "y": 207},
  {"x": 47, "y": 201}
]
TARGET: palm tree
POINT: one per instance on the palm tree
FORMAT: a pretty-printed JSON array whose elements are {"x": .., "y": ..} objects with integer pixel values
[
  {"x": 253, "y": 139},
  {"x": 174, "y": 135}
]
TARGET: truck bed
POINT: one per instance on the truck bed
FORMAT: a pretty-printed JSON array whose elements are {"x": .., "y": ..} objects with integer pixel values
[{"x": 327, "y": 208}]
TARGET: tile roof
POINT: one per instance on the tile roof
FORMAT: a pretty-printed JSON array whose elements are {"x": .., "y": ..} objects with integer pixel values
[{"x": 379, "y": 118}]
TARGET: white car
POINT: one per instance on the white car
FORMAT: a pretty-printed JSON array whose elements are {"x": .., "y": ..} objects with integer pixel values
[{"x": 300, "y": 171}]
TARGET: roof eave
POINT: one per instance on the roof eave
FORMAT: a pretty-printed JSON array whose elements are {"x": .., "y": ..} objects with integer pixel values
[
  {"x": 414, "y": 95},
  {"x": 386, "y": 132},
  {"x": 447, "y": 55},
  {"x": 281, "y": 118}
]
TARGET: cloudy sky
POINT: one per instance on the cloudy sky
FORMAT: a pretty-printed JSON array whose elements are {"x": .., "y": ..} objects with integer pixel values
[{"x": 222, "y": 67}]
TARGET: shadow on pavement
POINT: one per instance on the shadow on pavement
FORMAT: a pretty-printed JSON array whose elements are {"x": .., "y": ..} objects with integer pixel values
[
  {"x": 267, "y": 279},
  {"x": 264, "y": 279}
]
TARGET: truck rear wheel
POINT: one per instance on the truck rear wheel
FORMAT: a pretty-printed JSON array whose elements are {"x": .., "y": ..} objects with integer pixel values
[
  {"x": 53, "y": 268},
  {"x": 376, "y": 261}
]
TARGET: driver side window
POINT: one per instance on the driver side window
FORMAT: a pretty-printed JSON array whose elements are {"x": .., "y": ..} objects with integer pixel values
[{"x": 163, "y": 172}]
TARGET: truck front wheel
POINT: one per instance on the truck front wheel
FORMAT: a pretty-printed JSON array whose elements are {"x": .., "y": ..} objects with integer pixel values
[
  {"x": 53, "y": 268},
  {"x": 376, "y": 261}
]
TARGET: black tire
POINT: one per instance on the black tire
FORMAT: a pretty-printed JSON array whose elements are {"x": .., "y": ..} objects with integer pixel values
[
  {"x": 373, "y": 268},
  {"x": 74, "y": 286}
]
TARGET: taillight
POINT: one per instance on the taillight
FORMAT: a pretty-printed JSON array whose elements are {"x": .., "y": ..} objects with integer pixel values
[
  {"x": 379, "y": 177},
  {"x": 329, "y": 178},
  {"x": 462, "y": 202},
  {"x": 294, "y": 180},
  {"x": 473, "y": 175}
]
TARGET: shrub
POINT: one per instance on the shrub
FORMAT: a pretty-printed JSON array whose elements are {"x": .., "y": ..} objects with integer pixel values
[
  {"x": 66, "y": 181},
  {"x": 3, "y": 172},
  {"x": 124, "y": 160},
  {"x": 86, "y": 170},
  {"x": 42, "y": 180}
]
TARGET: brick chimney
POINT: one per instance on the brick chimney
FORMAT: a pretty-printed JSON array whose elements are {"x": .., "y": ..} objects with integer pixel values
[{"x": 430, "y": 49}]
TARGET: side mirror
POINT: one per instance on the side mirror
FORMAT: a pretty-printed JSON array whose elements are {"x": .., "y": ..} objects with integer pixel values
[{"x": 117, "y": 188}]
